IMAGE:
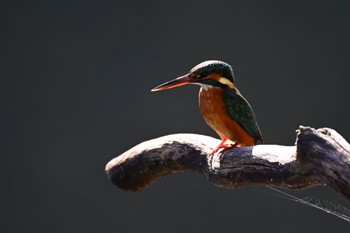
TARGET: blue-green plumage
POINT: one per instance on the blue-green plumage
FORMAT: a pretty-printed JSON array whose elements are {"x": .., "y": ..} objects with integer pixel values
[{"x": 240, "y": 111}]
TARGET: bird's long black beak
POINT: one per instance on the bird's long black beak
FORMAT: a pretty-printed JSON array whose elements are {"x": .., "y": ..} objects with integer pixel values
[{"x": 180, "y": 81}]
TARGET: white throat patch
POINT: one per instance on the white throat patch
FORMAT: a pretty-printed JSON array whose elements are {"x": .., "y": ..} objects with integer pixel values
[{"x": 205, "y": 87}]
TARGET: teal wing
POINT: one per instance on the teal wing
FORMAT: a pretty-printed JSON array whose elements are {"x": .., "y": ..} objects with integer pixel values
[{"x": 240, "y": 111}]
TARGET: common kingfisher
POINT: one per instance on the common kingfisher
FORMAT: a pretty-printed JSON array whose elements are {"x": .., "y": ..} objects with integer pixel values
[{"x": 223, "y": 107}]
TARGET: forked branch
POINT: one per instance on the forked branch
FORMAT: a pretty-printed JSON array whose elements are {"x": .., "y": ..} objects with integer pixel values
[{"x": 320, "y": 156}]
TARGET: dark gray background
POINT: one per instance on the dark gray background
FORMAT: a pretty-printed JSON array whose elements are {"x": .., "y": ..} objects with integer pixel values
[{"x": 75, "y": 92}]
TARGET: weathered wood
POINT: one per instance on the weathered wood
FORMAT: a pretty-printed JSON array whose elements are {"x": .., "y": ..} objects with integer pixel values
[{"x": 320, "y": 157}]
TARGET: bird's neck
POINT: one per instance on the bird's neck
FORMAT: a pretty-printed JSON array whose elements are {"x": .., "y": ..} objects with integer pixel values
[{"x": 206, "y": 87}]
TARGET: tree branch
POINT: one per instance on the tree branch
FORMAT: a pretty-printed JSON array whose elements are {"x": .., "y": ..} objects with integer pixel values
[{"x": 320, "y": 157}]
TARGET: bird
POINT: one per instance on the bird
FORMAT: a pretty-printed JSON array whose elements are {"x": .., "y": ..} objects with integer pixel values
[{"x": 222, "y": 105}]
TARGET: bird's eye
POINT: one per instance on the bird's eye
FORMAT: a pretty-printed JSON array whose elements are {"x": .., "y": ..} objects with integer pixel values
[{"x": 195, "y": 76}]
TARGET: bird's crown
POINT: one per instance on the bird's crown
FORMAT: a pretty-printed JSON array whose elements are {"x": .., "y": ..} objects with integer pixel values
[{"x": 214, "y": 66}]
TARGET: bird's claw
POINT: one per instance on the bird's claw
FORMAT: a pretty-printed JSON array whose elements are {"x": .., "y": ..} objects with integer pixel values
[{"x": 224, "y": 147}]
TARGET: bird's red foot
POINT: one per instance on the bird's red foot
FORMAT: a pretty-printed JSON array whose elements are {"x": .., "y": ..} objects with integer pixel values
[{"x": 224, "y": 146}]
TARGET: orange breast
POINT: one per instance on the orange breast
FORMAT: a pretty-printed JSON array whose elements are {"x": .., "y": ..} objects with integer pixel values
[{"x": 214, "y": 112}]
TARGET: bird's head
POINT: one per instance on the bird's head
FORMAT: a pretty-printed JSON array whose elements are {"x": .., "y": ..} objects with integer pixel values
[{"x": 206, "y": 74}]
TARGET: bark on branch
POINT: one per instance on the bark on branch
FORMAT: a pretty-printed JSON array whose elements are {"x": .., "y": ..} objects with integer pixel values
[{"x": 320, "y": 156}]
